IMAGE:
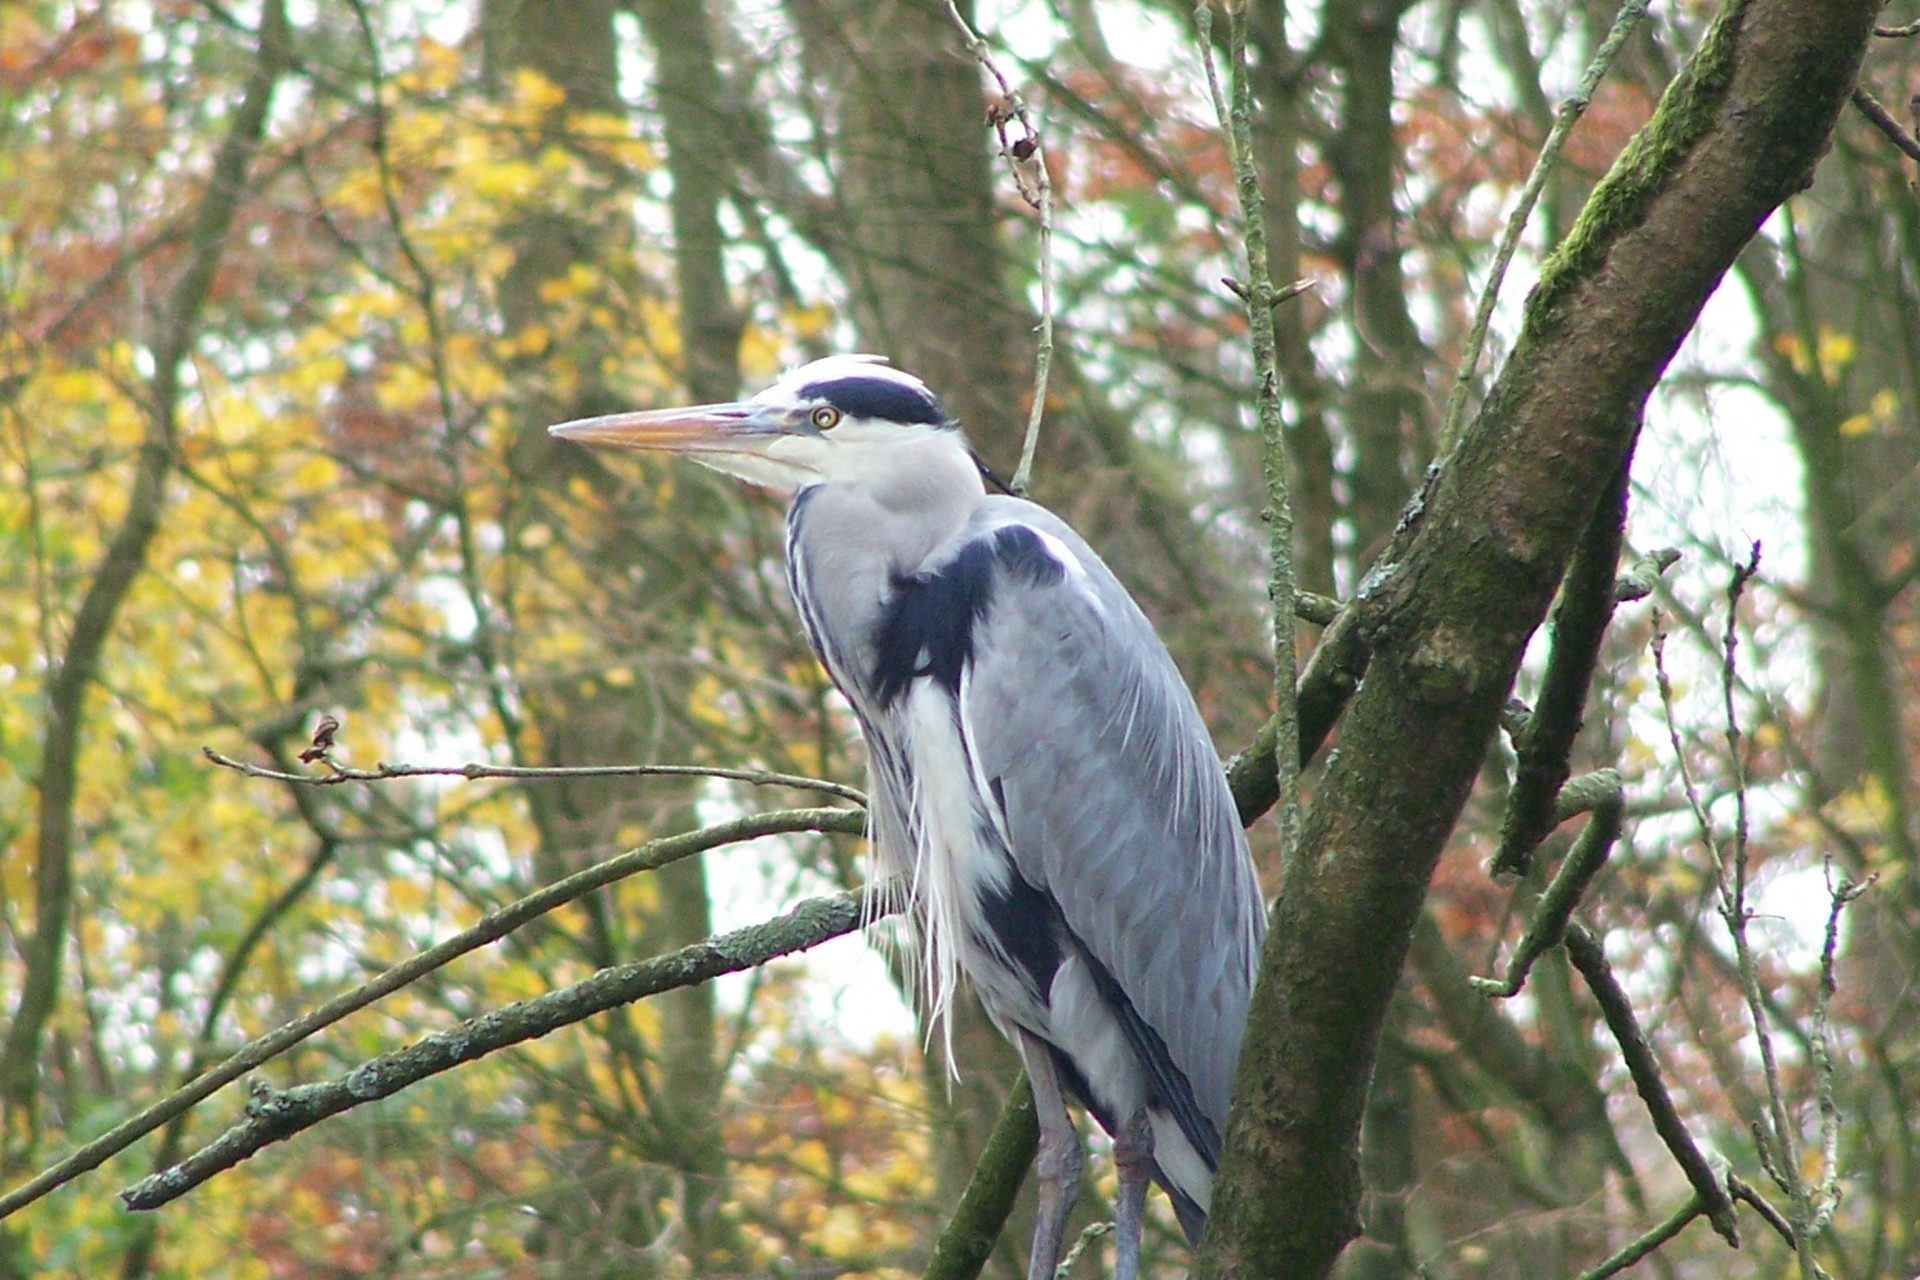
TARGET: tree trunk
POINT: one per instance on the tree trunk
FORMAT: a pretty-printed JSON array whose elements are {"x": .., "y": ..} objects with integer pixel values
[{"x": 1738, "y": 132}]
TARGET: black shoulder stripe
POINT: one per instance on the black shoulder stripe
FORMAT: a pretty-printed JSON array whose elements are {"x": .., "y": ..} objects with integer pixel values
[{"x": 927, "y": 627}]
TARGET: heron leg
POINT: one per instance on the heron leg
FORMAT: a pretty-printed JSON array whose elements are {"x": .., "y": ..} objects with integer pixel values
[
  {"x": 1057, "y": 1161},
  {"x": 1133, "y": 1161}
]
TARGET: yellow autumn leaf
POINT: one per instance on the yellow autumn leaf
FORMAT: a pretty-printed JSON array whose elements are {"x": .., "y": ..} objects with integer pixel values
[
  {"x": 1835, "y": 352},
  {"x": 316, "y": 472},
  {"x": 1884, "y": 405},
  {"x": 436, "y": 66},
  {"x": 1859, "y": 424},
  {"x": 534, "y": 91},
  {"x": 507, "y": 181},
  {"x": 359, "y": 194}
]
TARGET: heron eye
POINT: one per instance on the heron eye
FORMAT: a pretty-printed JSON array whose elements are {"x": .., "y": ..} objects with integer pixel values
[{"x": 826, "y": 417}]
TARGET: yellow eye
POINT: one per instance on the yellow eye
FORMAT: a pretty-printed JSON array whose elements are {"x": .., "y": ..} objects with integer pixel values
[{"x": 825, "y": 418}]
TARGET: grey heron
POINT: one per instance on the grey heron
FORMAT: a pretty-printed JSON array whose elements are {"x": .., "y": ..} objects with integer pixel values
[{"x": 1042, "y": 783}]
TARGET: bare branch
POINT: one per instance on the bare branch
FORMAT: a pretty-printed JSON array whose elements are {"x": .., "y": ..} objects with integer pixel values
[
  {"x": 1591, "y": 960},
  {"x": 490, "y": 927},
  {"x": 1580, "y": 620},
  {"x": 1750, "y": 1196},
  {"x": 967, "y": 1239},
  {"x": 1882, "y": 119},
  {"x": 1826, "y": 1195},
  {"x": 387, "y": 772},
  {"x": 1646, "y": 1244},
  {"x": 273, "y": 1115},
  {"x": 1236, "y": 127}
]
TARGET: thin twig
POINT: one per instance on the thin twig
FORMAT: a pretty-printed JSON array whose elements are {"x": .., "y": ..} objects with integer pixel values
[
  {"x": 1826, "y": 1196},
  {"x": 1027, "y": 158},
  {"x": 1750, "y": 1196},
  {"x": 1569, "y": 114},
  {"x": 1094, "y": 1231},
  {"x": 1646, "y": 1244},
  {"x": 1590, "y": 958},
  {"x": 471, "y": 772},
  {"x": 1556, "y": 906},
  {"x": 489, "y": 928},
  {"x": 1898, "y": 33},
  {"x": 1236, "y": 125},
  {"x": 275, "y": 1115},
  {"x": 1883, "y": 120},
  {"x": 1779, "y": 1138}
]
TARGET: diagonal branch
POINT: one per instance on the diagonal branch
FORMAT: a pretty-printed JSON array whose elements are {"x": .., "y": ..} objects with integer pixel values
[
  {"x": 273, "y": 1115},
  {"x": 1591, "y": 960},
  {"x": 1882, "y": 119},
  {"x": 1555, "y": 910},
  {"x": 1580, "y": 622},
  {"x": 967, "y": 1240},
  {"x": 489, "y": 928}
]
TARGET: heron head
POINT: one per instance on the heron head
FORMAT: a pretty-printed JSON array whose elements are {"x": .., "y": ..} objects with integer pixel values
[{"x": 822, "y": 421}]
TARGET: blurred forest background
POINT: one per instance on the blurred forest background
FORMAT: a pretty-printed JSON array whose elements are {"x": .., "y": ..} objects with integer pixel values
[{"x": 288, "y": 295}]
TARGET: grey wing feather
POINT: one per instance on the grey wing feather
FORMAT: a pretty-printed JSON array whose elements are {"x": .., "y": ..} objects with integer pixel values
[{"x": 1115, "y": 802}]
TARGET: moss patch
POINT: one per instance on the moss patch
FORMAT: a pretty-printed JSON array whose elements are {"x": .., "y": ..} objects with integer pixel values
[{"x": 1686, "y": 113}]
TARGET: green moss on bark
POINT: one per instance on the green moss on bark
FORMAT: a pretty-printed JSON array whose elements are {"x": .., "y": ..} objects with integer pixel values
[{"x": 1645, "y": 168}]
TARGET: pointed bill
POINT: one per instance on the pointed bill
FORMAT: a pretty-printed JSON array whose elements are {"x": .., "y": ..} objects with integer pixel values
[{"x": 696, "y": 428}]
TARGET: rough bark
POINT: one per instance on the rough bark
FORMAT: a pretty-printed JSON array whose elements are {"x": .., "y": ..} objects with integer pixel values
[{"x": 1737, "y": 133}]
